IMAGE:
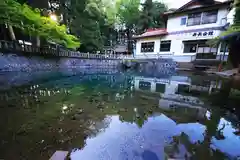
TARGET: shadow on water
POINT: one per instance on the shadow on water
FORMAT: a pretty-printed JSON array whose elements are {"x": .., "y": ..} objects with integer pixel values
[{"x": 121, "y": 116}]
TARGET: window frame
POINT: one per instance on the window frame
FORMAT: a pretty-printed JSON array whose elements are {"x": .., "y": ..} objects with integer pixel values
[
  {"x": 202, "y": 15},
  {"x": 169, "y": 42},
  {"x": 186, "y": 20},
  {"x": 189, "y": 18},
  {"x": 147, "y": 48},
  {"x": 196, "y": 45},
  {"x": 201, "y": 47},
  {"x": 206, "y": 16}
]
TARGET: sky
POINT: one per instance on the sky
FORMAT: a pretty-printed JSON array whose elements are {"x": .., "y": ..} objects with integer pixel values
[{"x": 176, "y": 3}]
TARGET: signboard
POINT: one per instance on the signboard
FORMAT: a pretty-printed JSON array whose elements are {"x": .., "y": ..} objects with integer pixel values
[{"x": 202, "y": 34}]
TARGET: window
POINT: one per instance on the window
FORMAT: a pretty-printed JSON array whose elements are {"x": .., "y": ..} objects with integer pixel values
[
  {"x": 209, "y": 17},
  {"x": 165, "y": 46},
  {"x": 183, "y": 21},
  {"x": 194, "y": 19},
  {"x": 202, "y": 18},
  {"x": 206, "y": 49},
  {"x": 190, "y": 48},
  {"x": 161, "y": 88},
  {"x": 144, "y": 85},
  {"x": 147, "y": 47},
  {"x": 183, "y": 88}
]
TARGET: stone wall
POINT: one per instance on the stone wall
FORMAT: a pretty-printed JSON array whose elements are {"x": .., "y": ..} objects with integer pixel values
[
  {"x": 18, "y": 70},
  {"x": 13, "y": 62}
]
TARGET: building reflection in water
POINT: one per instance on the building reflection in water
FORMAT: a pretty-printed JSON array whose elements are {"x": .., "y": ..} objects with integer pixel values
[
  {"x": 174, "y": 85},
  {"x": 180, "y": 100}
]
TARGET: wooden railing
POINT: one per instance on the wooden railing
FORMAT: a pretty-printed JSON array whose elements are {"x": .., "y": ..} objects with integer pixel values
[
  {"x": 24, "y": 49},
  {"x": 206, "y": 56}
]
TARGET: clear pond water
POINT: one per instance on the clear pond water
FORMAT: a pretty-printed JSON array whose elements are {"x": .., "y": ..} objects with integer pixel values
[{"x": 121, "y": 116}]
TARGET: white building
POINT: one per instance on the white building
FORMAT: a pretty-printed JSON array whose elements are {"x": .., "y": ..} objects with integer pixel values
[{"x": 187, "y": 31}]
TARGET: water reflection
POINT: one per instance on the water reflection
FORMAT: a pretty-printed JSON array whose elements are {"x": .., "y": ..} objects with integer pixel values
[{"x": 119, "y": 116}]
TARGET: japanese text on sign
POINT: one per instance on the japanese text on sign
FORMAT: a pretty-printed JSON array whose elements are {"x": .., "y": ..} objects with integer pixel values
[{"x": 210, "y": 33}]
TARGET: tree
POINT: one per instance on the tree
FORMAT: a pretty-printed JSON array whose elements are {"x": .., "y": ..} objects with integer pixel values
[
  {"x": 146, "y": 18},
  {"x": 128, "y": 15},
  {"x": 85, "y": 24},
  {"x": 237, "y": 13},
  {"x": 31, "y": 22},
  {"x": 158, "y": 10},
  {"x": 87, "y": 19},
  {"x": 128, "y": 12},
  {"x": 136, "y": 20},
  {"x": 151, "y": 15}
]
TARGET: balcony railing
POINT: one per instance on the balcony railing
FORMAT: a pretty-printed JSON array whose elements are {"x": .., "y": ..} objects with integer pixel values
[{"x": 206, "y": 56}]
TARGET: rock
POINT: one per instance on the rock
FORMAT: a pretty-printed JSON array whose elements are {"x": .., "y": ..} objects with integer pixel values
[
  {"x": 73, "y": 118},
  {"x": 79, "y": 111},
  {"x": 76, "y": 117},
  {"x": 122, "y": 110},
  {"x": 90, "y": 100},
  {"x": 99, "y": 105}
]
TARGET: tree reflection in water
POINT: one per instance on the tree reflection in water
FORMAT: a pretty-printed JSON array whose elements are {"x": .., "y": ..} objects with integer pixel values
[
  {"x": 63, "y": 114},
  {"x": 199, "y": 149},
  {"x": 204, "y": 149}
]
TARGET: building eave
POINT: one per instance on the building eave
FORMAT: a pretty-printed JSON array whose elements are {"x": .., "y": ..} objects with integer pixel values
[
  {"x": 221, "y": 28},
  {"x": 196, "y": 2},
  {"x": 207, "y": 7},
  {"x": 157, "y": 35}
]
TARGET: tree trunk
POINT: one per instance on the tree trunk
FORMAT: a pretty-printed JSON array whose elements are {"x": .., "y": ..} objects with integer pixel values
[
  {"x": 38, "y": 41},
  {"x": 129, "y": 43},
  {"x": 11, "y": 32}
]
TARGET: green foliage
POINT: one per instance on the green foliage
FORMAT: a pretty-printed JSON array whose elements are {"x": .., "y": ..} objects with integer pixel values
[
  {"x": 128, "y": 12},
  {"x": 147, "y": 16},
  {"x": 136, "y": 20},
  {"x": 158, "y": 10},
  {"x": 110, "y": 10},
  {"x": 85, "y": 24},
  {"x": 31, "y": 22},
  {"x": 139, "y": 20},
  {"x": 237, "y": 12},
  {"x": 90, "y": 20},
  {"x": 151, "y": 15},
  {"x": 94, "y": 21}
]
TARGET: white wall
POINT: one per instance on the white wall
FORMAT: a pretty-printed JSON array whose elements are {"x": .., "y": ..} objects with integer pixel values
[
  {"x": 174, "y": 22},
  {"x": 177, "y": 45},
  {"x": 230, "y": 16}
]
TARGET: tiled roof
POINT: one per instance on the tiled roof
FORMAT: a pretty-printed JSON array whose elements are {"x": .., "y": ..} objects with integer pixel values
[
  {"x": 195, "y": 2},
  {"x": 185, "y": 8},
  {"x": 152, "y": 33}
]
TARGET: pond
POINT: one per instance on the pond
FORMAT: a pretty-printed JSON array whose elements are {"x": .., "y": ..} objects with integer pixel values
[{"x": 121, "y": 116}]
